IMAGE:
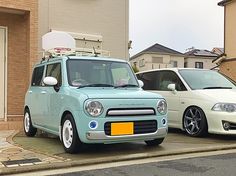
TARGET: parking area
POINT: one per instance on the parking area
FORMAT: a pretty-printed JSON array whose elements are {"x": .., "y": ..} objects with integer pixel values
[
  {"x": 19, "y": 153},
  {"x": 176, "y": 142}
]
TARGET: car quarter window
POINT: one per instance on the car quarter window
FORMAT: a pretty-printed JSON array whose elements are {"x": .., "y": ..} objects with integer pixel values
[
  {"x": 37, "y": 76},
  {"x": 54, "y": 70},
  {"x": 159, "y": 80}
]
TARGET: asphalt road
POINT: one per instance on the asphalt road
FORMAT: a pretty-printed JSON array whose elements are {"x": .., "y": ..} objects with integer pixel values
[{"x": 219, "y": 165}]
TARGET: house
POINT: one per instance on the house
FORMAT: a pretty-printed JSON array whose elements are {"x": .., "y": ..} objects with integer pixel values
[
  {"x": 227, "y": 61},
  {"x": 18, "y": 52},
  {"x": 157, "y": 56},
  {"x": 102, "y": 25},
  {"x": 197, "y": 58}
]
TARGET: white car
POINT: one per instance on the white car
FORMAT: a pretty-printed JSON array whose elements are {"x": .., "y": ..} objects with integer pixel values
[{"x": 199, "y": 100}]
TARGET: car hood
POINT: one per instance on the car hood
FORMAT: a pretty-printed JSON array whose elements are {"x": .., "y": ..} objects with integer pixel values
[
  {"x": 119, "y": 93},
  {"x": 219, "y": 95}
]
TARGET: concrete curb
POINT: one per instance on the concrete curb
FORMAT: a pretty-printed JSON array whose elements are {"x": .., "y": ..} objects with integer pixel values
[{"x": 129, "y": 157}]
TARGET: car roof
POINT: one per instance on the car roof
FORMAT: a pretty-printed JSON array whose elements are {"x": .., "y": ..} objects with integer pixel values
[
  {"x": 170, "y": 69},
  {"x": 80, "y": 58}
]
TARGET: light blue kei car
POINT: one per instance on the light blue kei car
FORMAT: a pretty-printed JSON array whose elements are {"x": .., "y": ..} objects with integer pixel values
[{"x": 92, "y": 100}]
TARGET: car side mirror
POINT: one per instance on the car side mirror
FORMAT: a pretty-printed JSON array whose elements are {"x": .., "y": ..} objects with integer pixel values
[
  {"x": 171, "y": 87},
  {"x": 50, "y": 81},
  {"x": 141, "y": 84}
]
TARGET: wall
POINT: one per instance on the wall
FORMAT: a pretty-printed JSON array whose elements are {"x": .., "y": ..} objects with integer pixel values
[
  {"x": 150, "y": 65},
  {"x": 105, "y": 18},
  {"x": 207, "y": 62},
  {"x": 228, "y": 67},
  {"x": 230, "y": 24},
  {"x": 20, "y": 18}
]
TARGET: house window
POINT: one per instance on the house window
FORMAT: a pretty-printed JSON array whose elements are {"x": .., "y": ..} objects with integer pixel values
[
  {"x": 198, "y": 64},
  {"x": 142, "y": 63},
  {"x": 174, "y": 63}
]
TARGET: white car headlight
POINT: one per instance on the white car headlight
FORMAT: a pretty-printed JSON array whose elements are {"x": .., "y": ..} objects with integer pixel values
[
  {"x": 162, "y": 107},
  {"x": 94, "y": 108},
  {"x": 227, "y": 107}
]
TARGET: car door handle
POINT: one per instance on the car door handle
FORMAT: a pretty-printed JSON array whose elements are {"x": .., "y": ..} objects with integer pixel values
[
  {"x": 43, "y": 92},
  {"x": 30, "y": 91}
]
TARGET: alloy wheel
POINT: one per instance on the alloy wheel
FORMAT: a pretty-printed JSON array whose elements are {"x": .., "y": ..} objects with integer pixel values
[{"x": 193, "y": 121}]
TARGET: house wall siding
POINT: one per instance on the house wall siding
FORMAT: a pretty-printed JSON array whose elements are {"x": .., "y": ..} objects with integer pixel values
[
  {"x": 106, "y": 18},
  {"x": 207, "y": 62},
  {"x": 20, "y": 18},
  {"x": 228, "y": 67},
  {"x": 230, "y": 34},
  {"x": 149, "y": 64}
]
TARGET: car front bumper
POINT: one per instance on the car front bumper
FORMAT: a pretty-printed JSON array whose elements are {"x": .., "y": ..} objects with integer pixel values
[
  {"x": 101, "y": 136},
  {"x": 215, "y": 121}
]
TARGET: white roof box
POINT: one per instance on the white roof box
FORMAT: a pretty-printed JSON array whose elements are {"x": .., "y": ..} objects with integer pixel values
[{"x": 57, "y": 39}]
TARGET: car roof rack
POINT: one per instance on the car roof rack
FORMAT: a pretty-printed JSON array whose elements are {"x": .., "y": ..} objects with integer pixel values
[
  {"x": 59, "y": 52},
  {"x": 58, "y": 44}
]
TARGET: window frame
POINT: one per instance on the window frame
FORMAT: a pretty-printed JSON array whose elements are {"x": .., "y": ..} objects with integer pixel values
[
  {"x": 140, "y": 76},
  {"x": 46, "y": 69},
  {"x": 110, "y": 77},
  {"x": 33, "y": 75},
  {"x": 199, "y": 65}
]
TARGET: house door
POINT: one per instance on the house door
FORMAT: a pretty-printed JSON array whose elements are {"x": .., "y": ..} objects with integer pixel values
[{"x": 2, "y": 70}]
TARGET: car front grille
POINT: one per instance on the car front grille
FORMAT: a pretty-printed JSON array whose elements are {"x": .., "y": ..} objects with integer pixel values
[
  {"x": 130, "y": 112},
  {"x": 140, "y": 127}
]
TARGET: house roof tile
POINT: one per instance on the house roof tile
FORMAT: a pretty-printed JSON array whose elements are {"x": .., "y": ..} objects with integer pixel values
[{"x": 157, "y": 48}]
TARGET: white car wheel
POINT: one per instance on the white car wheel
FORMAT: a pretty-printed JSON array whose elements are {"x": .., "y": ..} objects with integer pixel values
[
  {"x": 27, "y": 122},
  {"x": 69, "y": 135},
  {"x": 28, "y": 127}
]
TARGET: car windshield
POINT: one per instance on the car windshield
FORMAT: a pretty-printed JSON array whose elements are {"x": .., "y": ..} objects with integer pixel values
[
  {"x": 206, "y": 79},
  {"x": 99, "y": 73}
]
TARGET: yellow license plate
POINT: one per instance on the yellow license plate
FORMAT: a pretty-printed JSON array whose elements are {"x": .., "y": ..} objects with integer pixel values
[{"x": 124, "y": 128}]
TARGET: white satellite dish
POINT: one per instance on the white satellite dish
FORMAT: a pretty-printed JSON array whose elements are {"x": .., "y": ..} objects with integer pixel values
[{"x": 57, "y": 39}]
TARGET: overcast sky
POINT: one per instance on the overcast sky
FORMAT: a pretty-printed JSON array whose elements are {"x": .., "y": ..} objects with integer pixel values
[{"x": 177, "y": 24}]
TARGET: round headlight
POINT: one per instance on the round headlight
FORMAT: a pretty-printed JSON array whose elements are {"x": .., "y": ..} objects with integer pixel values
[
  {"x": 94, "y": 108},
  {"x": 162, "y": 107}
]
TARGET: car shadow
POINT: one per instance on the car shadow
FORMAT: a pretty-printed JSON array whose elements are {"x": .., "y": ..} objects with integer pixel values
[{"x": 207, "y": 136}]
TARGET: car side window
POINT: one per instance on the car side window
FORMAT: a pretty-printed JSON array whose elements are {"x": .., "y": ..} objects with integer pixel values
[
  {"x": 37, "y": 76},
  {"x": 54, "y": 70},
  {"x": 170, "y": 77},
  {"x": 150, "y": 80}
]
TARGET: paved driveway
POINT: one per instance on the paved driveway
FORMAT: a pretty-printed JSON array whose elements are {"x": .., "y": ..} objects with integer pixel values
[{"x": 175, "y": 143}]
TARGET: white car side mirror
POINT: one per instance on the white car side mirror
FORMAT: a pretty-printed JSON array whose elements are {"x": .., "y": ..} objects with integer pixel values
[
  {"x": 141, "y": 84},
  {"x": 50, "y": 81},
  {"x": 171, "y": 87}
]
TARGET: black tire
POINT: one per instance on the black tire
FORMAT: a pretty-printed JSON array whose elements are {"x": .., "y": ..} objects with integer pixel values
[
  {"x": 27, "y": 124},
  {"x": 194, "y": 122},
  {"x": 154, "y": 142},
  {"x": 69, "y": 131}
]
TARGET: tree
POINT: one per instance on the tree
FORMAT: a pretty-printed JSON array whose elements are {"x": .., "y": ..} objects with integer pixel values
[{"x": 134, "y": 67}]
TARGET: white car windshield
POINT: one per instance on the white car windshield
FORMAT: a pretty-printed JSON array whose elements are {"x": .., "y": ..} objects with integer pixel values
[
  {"x": 206, "y": 79},
  {"x": 99, "y": 73}
]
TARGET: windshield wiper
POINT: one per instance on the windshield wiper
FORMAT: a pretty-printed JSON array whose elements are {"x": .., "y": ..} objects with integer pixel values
[
  {"x": 126, "y": 85},
  {"x": 95, "y": 85},
  {"x": 217, "y": 88}
]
